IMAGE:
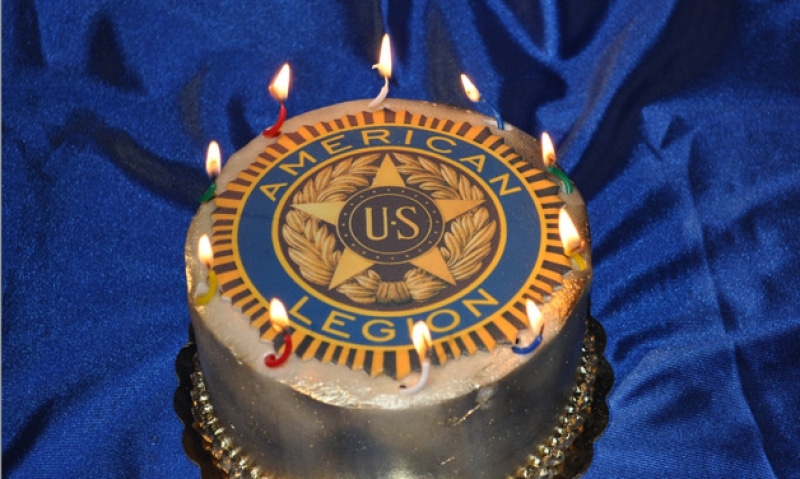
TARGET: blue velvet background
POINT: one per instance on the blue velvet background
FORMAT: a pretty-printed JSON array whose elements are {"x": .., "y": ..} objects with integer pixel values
[{"x": 677, "y": 119}]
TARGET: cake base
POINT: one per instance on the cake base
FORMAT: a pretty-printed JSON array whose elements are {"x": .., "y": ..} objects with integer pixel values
[{"x": 567, "y": 453}]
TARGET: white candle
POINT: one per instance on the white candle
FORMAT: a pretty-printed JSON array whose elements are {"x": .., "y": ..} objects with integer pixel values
[
  {"x": 421, "y": 337},
  {"x": 384, "y": 67}
]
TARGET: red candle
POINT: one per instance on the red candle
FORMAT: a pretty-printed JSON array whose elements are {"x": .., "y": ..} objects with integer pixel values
[
  {"x": 280, "y": 323},
  {"x": 279, "y": 89}
]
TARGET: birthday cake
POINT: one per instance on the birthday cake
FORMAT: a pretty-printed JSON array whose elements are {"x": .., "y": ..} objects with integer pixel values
[{"x": 363, "y": 223}]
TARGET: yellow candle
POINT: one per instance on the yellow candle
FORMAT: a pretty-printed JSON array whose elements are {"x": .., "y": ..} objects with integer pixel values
[
  {"x": 570, "y": 239},
  {"x": 204, "y": 299},
  {"x": 207, "y": 257},
  {"x": 578, "y": 259}
]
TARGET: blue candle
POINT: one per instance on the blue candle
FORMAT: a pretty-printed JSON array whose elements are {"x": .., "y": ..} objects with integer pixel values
[
  {"x": 536, "y": 323},
  {"x": 475, "y": 96}
]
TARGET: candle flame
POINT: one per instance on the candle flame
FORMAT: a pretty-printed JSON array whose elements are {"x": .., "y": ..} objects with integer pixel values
[
  {"x": 384, "y": 64},
  {"x": 535, "y": 318},
  {"x": 570, "y": 239},
  {"x": 548, "y": 151},
  {"x": 421, "y": 337},
  {"x": 277, "y": 315},
  {"x": 213, "y": 160},
  {"x": 469, "y": 88},
  {"x": 204, "y": 251},
  {"x": 279, "y": 88}
]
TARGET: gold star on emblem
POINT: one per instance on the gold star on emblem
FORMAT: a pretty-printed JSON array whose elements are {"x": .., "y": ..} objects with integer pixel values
[{"x": 352, "y": 263}]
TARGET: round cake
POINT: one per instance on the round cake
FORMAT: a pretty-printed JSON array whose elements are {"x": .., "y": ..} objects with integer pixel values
[{"x": 364, "y": 222}]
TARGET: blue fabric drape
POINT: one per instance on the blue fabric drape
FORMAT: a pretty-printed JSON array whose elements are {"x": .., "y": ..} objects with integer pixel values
[{"x": 678, "y": 120}]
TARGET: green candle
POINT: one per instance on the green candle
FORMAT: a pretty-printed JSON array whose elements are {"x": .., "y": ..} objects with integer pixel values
[
  {"x": 209, "y": 193},
  {"x": 213, "y": 167},
  {"x": 549, "y": 159},
  {"x": 556, "y": 170}
]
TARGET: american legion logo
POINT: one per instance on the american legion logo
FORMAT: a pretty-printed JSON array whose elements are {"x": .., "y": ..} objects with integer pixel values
[{"x": 368, "y": 223}]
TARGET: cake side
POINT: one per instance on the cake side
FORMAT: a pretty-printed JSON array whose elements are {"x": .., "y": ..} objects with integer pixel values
[
  {"x": 288, "y": 433},
  {"x": 480, "y": 413}
]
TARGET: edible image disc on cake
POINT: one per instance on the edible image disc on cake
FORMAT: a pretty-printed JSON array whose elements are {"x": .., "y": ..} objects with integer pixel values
[{"x": 369, "y": 223}]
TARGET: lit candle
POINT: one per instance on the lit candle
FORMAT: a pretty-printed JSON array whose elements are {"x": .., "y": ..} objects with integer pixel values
[
  {"x": 279, "y": 89},
  {"x": 536, "y": 324},
  {"x": 475, "y": 96},
  {"x": 213, "y": 167},
  {"x": 570, "y": 239},
  {"x": 549, "y": 157},
  {"x": 280, "y": 323},
  {"x": 421, "y": 337},
  {"x": 207, "y": 257},
  {"x": 384, "y": 67}
]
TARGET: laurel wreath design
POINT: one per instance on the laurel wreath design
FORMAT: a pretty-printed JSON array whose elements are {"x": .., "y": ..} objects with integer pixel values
[{"x": 312, "y": 246}]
